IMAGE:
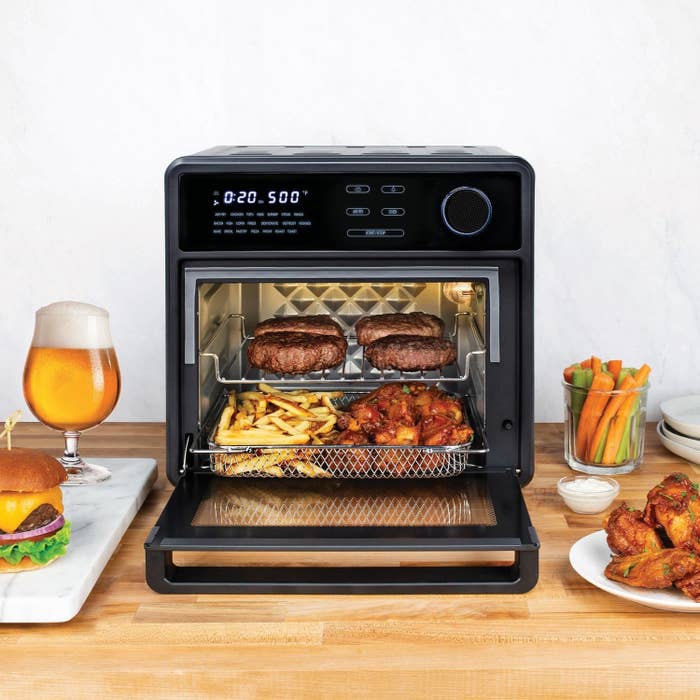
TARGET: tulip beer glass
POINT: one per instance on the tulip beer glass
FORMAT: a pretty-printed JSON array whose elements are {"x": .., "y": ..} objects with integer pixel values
[{"x": 71, "y": 378}]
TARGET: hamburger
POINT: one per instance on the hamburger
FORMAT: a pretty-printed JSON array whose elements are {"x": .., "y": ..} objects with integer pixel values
[{"x": 33, "y": 532}]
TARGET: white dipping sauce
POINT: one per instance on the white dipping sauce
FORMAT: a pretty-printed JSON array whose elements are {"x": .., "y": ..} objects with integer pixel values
[
  {"x": 589, "y": 484},
  {"x": 588, "y": 494}
]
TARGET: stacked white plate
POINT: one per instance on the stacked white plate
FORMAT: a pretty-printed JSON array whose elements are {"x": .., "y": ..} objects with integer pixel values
[{"x": 679, "y": 429}]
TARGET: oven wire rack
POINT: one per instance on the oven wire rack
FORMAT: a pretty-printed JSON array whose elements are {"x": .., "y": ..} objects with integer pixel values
[{"x": 355, "y": 368}]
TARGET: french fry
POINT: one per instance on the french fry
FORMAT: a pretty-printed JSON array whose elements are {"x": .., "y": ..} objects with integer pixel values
[
  {"x": 321, "y": 419},
  {"x": 267, "y": 431},
  {"x": 277, "y": 418},
  {"x": 274, "y": 471},
  {"x": 247, "y": 467},
  {"x": 250, "y": 437},
  {"x": 326, "y": 401},
  {"x": 291, "y": 407},
  {"x": 252, "y": 463},
  {"x": 251, "y": 395},
  {"x": 308, "y": 468},
  {"x": 291, "y": 429},
  {"x": 326, "y": 427},
  {"x": 226, "y": 416}
]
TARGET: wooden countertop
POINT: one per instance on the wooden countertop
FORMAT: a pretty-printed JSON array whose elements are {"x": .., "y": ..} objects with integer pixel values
[{"x": 565, "y": 638}]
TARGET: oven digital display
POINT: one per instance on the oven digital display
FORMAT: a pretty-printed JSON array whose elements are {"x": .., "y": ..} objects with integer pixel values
[
  {"x": 359, "y": 210},
  {"x": 272, "y": 197},
  {"x": 250, "y": 211}
]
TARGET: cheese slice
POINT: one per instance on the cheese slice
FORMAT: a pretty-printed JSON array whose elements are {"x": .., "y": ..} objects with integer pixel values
[{"x": 15, "y": 507}]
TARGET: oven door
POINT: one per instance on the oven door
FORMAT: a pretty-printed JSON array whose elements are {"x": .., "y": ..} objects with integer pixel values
[{"x": 466, "y": 534}]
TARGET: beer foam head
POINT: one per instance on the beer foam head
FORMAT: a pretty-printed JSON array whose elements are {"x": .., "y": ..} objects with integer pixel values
[{"x": 72, "y": 324}]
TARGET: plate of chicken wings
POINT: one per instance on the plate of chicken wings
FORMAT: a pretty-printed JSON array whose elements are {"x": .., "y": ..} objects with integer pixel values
[{"x": 650, "y": 556}]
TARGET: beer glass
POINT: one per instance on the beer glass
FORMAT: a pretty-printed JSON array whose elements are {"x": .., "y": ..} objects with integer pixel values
[{"x": 71, "y": 378}]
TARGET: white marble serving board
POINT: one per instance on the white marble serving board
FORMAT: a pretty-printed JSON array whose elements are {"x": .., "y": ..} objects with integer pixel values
[{"x": 99, "y": 515}]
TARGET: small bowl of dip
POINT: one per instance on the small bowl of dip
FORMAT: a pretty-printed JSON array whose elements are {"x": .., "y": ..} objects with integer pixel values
[{"x": 588, "y": 494}]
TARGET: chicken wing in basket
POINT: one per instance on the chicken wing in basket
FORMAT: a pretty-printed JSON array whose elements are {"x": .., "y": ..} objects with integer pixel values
[{"x": 403, "y": 414}]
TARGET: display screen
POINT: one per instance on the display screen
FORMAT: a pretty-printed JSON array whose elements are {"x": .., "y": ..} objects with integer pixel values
[
  {"x": 271, "y": 197},
  {"x": 338, "y": 211},
  {"x": 247, "y": 211}
]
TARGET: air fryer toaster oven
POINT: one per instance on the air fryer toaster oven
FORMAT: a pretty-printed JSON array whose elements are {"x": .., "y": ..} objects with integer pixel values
[{"x": 253, "y": 234}]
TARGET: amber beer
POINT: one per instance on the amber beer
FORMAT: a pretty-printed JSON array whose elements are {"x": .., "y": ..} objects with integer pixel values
[
  {"x": 71, "y": 377},
  {"x": 71, "y": 388}
]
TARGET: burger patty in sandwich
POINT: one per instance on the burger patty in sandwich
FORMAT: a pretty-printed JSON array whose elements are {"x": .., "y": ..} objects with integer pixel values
[
  {"x": 296, "y": 353},
  {"x": 43, "y": 515}
]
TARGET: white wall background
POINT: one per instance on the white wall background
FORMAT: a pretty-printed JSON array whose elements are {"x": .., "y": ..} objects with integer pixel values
[{"x": 603, "y": 99}]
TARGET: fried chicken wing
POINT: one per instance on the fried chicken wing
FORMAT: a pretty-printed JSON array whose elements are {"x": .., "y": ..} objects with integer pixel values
[
  {"x": 674, "y": 505},
  {"x": 407, "y": 413},
  {"x": 658, "y": 569},
  {"x": 393, "y": 433},
  {"x": 628, "y": 533},
  {"x": 690, "y": 586}
]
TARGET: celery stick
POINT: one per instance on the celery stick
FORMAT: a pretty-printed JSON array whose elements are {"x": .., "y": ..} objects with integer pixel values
[
  {"x": 624, "y": 372},
  {"x": 582, "y": 379},
  {"x": 623, "y": 451},
  {"x": 601, "y": 448}
]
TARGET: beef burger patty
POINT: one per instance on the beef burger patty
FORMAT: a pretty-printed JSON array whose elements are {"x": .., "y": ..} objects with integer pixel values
[
  {"x": 296, "y": 353},
  {"x": 371, "y": 328},
  {"x": 40, "y": 516},
  {"x": 410, "y": 353},
  {"x": 320, "y": 324}
]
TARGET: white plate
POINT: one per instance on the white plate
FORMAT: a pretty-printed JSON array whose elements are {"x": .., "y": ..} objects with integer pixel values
[
  {"x": 692, "y": 455},
  {"x": 674, "y": 436},
  {"x": 683, "y": 414},
  {"x": 589, "y": 557}
]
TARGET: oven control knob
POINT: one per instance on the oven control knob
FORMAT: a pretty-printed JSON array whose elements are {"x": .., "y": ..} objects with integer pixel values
[{"x": 466, "y": 211}]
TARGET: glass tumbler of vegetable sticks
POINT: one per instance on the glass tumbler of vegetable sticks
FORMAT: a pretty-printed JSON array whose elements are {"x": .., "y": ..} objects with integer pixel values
[{"x": 604, "y": 426}]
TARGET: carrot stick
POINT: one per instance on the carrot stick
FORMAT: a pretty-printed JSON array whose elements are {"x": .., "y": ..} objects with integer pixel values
[
  {"x": 586, "y": 364},
  {"x": 617, "y": 425},
  {"x": 592, "y": 410},
  {"x": 596, "y": 364},
  {"x": 569, "y": 372},
  {"x": 615, "y": 367},
  {"x": 604, "y": 422}
]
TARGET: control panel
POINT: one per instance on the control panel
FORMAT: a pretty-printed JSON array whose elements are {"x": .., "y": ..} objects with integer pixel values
[{"x": 350, "y": 211}]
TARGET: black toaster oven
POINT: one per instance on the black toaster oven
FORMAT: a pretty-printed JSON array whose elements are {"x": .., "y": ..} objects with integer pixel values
[{"x": 348, "y": 233}]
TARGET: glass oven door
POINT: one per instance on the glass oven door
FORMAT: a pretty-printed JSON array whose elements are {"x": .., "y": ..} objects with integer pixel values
[{"x": 470, "y": 533}]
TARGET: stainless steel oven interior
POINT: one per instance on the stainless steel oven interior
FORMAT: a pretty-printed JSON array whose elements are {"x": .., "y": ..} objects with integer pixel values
[{"x": 227, "y": 312}]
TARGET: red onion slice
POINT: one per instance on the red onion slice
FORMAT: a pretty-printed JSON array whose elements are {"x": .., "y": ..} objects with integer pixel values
[{"x": 49, "y": 529}]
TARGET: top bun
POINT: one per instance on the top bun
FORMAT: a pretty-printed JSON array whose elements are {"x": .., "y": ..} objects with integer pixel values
[{"x": 27, "y": 470}]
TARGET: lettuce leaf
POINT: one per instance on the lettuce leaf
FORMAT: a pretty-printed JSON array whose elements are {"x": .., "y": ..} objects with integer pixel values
[{"x": 40, "y": 552}]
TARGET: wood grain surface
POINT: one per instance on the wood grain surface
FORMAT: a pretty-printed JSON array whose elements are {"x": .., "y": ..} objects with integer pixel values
[{"x": 563, "y": 639}]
